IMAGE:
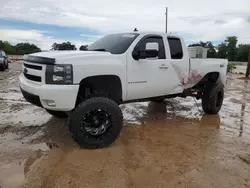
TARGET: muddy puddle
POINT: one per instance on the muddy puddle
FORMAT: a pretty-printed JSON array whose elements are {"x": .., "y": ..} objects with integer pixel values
[{"x": 170, "y": 144}]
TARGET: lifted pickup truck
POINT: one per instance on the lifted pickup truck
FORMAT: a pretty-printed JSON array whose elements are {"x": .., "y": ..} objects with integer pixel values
[{"x": 88, "y": 86}]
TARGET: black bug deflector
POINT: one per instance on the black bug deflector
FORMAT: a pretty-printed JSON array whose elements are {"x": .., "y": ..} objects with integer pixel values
[{"x": 40, "y": 60}]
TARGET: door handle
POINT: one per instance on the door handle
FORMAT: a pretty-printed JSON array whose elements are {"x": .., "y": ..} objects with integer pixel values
[
  {"x": 163, "y": 66},
  {"x": 222, "y": 65}
]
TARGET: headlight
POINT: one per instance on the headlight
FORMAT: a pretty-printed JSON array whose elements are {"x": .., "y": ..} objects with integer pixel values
[{"x": 59, "y": 74}]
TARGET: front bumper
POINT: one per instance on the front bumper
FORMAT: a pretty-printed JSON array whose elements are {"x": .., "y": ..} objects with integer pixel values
[
  {"x": 33, "y": 99},
  {"x": 64, "y": 96}
]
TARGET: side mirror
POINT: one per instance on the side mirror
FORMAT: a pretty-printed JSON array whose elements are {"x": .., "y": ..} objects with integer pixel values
[
  {"x": 135, "y": 54},
  {"x": 144, "y": 54}
]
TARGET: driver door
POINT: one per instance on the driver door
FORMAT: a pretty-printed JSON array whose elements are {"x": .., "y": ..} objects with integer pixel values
[{"x": 148, "y": 77}]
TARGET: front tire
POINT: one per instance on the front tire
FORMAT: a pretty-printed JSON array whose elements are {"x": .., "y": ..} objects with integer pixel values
[
  {"x": 212, "y": 99},
  {"x": 58, "y": 114},
  {"x": 96, "y": 123}
]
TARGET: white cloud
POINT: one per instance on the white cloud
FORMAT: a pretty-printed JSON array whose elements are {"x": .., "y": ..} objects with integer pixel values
[
  {"x": 199, "y": 20},
  {"x": 90, "y": 36},
  {"x": 33, "y": 36}
]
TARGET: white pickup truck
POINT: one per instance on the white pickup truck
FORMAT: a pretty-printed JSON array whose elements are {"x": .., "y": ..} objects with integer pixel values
[{"x": 88, "y": 86}]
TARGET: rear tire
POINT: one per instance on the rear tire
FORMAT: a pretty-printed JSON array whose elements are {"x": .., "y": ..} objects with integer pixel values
[
  {"x": 58, "y": 114},
  {"x": 212, "y": 98},
  {"x": 96, "y": 122}
]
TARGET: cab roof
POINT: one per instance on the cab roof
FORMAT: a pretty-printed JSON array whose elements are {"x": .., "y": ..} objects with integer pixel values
[{"x": 152, "y": 33}]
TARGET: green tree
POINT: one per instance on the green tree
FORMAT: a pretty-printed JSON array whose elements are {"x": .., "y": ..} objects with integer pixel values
[
  {"x": 231, "y": 43},
  {"x": 6, "y": 46},
  {"x": 63, "y": 46},
  {"x": 211, "y": 53},
  {"x": 243, "y": 52},
  {"x": 222, "y": 50},
  {"x": 195, "y": 44},
  {"x": 83, "y": 47},
  {"x": 54, "y": 46},
  {"x": 201, "y": 43},
  {"x": 26, "y": 48},
  {"x": 18, "y": 49}
]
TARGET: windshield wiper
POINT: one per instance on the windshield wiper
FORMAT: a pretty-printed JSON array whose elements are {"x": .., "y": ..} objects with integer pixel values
[{"x": 99, "y": 49}]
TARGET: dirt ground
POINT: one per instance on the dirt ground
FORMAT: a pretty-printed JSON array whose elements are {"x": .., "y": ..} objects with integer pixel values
[{"x": 172, "y": 144}]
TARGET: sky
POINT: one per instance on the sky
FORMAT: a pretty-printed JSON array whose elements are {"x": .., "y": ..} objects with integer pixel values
[{"x": 43, "y": 22}]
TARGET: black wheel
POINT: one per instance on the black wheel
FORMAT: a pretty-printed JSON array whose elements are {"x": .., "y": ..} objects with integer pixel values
[
  {"x": 58, "y": 114},
  {"x": 212, "y": 98},
  {"x": 2, "y": 67},
  {"x": 96, "y": 122}
]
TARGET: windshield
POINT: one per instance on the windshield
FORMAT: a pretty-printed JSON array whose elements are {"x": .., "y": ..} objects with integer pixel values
[{"x": 114, "y": 43}]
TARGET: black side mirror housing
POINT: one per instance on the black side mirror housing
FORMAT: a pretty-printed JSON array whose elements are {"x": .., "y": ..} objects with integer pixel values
[
  {"x": 135, "y": 54},
  {"x": 143, "y": 54}
]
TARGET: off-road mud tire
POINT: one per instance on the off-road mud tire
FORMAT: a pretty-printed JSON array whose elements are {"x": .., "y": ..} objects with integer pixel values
[
  {"x": 58, "y": 114},
  {"x": 212, "y": 98},
  {"x": 82, "y": 137}
]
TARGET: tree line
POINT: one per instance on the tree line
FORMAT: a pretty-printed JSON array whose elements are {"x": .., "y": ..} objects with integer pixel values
[
  {"x": 18, "y": 49},
  {"x": 67, "y": 46},
  {"x": 228, "y": 49}
]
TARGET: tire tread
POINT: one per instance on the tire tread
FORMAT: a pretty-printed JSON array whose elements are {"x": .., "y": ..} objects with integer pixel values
[
  {"x": 111, "y": 137},
  {"x": 209, "y": 98}
]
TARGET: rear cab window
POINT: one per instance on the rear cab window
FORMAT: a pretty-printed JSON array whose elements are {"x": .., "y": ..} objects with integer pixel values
[{"x": 175, "y": 47}]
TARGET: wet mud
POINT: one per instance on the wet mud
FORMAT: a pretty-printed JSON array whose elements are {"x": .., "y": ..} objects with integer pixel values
[{"x": 170, "y": 144}]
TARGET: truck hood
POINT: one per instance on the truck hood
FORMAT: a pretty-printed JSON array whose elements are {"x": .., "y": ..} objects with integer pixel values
[{"x": 65, "y": 54}]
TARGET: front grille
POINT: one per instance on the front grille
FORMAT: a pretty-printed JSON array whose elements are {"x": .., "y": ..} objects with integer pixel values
[
  {"x": 33, "y": 66},
  {"x": 33, "y": 78}
]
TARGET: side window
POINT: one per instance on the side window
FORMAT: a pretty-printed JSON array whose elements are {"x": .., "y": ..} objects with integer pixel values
[
  {"x": 175, "y": 48},
  {"x": 153, "y": 43},
  {"x": 1, "y": 54}
]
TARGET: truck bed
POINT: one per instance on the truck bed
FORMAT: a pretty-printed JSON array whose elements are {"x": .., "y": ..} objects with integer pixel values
[{"x": 200, "y": 67}]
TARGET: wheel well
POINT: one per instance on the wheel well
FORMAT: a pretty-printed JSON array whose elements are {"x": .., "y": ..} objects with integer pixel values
[
  {"x": 211, "y": 77},
  {"x": 104, "y": 85}
]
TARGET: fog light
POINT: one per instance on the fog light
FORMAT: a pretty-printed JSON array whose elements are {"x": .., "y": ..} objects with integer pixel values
[{"x": 50, "y": 103}]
